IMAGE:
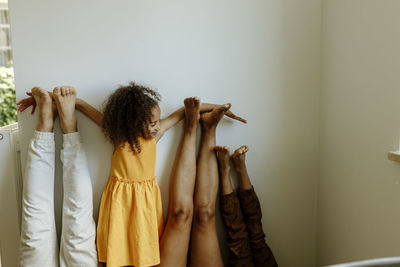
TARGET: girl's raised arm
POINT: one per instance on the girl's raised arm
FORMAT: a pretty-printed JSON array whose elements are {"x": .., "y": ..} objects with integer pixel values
[
  {"x": 92, "y": 113},
  {"x": 171, "y": 120}
]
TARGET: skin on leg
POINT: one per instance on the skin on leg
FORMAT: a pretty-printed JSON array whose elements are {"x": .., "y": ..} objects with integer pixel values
[
  {"x": 224, "y": 169},
  {"x": 47, "y": 110},
  {"x": 239, "y": 161},
  {"x": 204, "y": 247},
  {"x": 174, "y": 242}
]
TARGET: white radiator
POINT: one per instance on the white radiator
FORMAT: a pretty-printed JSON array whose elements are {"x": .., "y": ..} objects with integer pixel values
[{"x": 10, "y": 195}]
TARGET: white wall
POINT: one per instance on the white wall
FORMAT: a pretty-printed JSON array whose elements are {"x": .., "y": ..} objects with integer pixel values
[
  {"x": 263, "y": 56},
  {"x": 359, "y": 189}
]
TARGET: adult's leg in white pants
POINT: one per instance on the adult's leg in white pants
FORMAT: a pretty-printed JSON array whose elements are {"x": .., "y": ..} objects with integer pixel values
[
  {"x": 78, "y": 246},
  {"x": 38, "y": 244}
]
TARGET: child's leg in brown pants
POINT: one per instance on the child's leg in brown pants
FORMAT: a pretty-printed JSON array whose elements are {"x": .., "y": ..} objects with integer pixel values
[
  {"x": 251, "y": 209},
  {"x": 237, "y": 237}
]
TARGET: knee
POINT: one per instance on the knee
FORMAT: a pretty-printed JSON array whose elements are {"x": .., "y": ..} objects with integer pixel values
[
  {"x": 204, "y": 215},
  {"x": 181, "y": 216}
]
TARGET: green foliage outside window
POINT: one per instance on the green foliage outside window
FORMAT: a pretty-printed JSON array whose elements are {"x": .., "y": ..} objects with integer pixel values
[{"x": 8, "y": 108}]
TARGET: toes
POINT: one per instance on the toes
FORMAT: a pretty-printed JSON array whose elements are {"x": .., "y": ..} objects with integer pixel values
[
  {"x": 37, "y": 91},
  {"x": 63, "y": 91},
  {"x": 187, "y": 101},
  {"x": 244, "y": 149},
  {"x": 225, "y": 107},
  {"x": 40, "y": 95},
  {"x": 221, "y": 148},
  {"x": 191, "y": 101},
  {"x": 240, "y": 151},
  {"x": 57, "y": 91},
  {"x": 222, "y": 108},
  {"x": 72, "y": 90},
  {"x": 222, "y": 151}
]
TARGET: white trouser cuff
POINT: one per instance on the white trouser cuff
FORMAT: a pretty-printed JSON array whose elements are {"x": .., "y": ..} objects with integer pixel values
[
  {"x": 71, "y": 139},
  {"x": 43, "y": 136}
]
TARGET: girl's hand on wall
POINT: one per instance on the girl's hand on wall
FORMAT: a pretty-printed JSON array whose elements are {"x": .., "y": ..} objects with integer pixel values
[{"x": 26, "y": 103}]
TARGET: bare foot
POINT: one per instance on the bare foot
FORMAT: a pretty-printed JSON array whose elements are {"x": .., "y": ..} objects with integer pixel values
[
  {"x": 239, "y": 160},
  {"x": 223, "y": 158},
  {"x": 65, "y": 98},
  {"x": 192, "y": 112},
  {"x": 239, "y": 156},
  {"x": 47, "y": 113},
  {"x": 224, "y": 168},
  {"x": 210, "y": 120}
]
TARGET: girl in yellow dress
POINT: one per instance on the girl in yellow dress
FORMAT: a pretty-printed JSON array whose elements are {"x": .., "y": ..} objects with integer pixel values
[{"x": 130, "y": 220}]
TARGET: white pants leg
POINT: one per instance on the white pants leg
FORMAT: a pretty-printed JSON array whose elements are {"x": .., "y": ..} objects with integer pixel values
[
  {"x": 38, "y": 245},
  {"x": 78, "y": 236}
]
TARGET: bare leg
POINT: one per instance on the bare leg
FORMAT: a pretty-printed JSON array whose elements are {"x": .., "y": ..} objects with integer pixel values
[
  {"x": 262, "y": 254},
  {"x": 204, "y": 247},
  {"x": 78, "y": 227},
  {"x": 174, "y": 242},
  {"x": 236, "y": 233},
  {"x": 47, "y": 110},
  {"x": 238, "y": 158},
  {"x": 38, "y": 231},
  {"x": 224, "y": 169}
]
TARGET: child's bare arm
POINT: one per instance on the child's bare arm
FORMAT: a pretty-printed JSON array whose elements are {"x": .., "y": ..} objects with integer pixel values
[
  {"x": 179, "y": 114},
  {"x": 89, "y": 111},
  {"x": 170, "y": 121}
]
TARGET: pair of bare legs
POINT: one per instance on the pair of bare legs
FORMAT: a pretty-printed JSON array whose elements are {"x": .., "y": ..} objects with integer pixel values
[{"x": 190, "y": 236}]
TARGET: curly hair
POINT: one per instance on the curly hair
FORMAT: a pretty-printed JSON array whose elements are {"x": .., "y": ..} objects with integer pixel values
[{"x": 127, "y": 112}]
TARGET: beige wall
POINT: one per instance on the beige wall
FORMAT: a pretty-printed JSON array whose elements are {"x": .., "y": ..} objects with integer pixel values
[
  {"x": 263, "y": 56},
  {"x": 359, "y": 188}
]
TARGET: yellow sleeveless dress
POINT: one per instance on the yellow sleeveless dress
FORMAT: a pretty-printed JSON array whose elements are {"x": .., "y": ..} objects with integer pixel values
[{"x": 130, "y": 217}]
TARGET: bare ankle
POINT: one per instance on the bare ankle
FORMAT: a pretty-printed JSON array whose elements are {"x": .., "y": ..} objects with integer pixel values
[
  {"x": 43, "y": 127},
  {"x": 244, "y": 181},
  {"x": 70, "y": 127}
]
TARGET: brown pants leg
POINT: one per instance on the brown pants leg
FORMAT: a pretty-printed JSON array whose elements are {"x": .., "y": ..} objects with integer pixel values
[
  {"x": 240, "y": 254},
  {"x": 251, "y": 209}
]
